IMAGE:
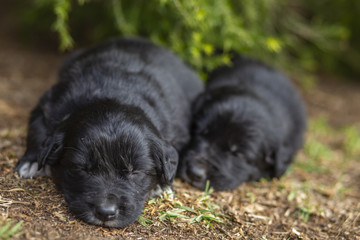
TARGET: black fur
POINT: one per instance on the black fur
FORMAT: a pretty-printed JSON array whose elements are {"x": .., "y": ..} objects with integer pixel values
[
  {"x": 248, "y": 124},
  {"x": 110, "y": 129}
]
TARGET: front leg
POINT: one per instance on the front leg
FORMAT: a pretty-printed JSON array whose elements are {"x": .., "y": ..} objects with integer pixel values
[{"x": 28, "y": 166}]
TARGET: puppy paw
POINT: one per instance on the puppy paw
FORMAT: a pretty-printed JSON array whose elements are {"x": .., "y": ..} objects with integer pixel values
[
  {"x": 30, "y": 169},
  {"x": 158, "y": 191},
  {"x": 169, "y": 193}
]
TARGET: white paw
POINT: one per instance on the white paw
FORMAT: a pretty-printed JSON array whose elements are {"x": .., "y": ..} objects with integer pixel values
[
  {"x": 166, "y": 193},
  {"x": 169, "y": 193},
  {"x": 156, "y": 192},
  {"x": 30, "y": 170}
]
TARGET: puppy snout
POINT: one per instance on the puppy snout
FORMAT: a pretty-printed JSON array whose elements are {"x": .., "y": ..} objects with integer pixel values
[
  {"x": 196, "y": 173},
  {"x": 107, "y": 211}
]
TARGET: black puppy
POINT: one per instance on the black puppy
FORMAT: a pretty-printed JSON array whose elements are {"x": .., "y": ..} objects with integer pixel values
[
  {"x": 109, "y": 130},
  {"x": 248, "y": 124}
]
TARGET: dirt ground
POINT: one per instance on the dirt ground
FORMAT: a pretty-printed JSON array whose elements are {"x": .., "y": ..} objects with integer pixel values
[{"x": 318, "y": 198}]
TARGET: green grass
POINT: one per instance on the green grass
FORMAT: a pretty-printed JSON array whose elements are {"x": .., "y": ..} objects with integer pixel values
[
  {"x": 316, "y": 153},
  {"x": 207, "y": 214},
  {"x": 304, "y": 213},
  {"x": 320, "y": 126},
  {"x": 144, "y": 221},
  {"x": 10, "y": 229},
  {"x": 202, "y": 209},
  {"x": 208, "y": 190},
  {"x": 321, "y": 145},
  {"x": 316, "y": 149},
  {"x": 352, "y": 141},
  {"x": 251, "y": 196},
  {"x": 320, "y": 129}
]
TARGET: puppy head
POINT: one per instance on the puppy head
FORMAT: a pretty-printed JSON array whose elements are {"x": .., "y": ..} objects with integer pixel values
[
  {"x": 108, "y": 164},
  {"x": 227, "y": 154}
]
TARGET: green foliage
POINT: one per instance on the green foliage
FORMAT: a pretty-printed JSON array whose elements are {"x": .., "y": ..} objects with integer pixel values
[
  {"x": 338, "y": 19},
  {"x": 206, "y": 32},
  {"x": 61, "y": 10}
]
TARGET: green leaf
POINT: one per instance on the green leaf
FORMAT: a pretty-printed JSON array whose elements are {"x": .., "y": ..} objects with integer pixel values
[{"x": 152, "y": 201}]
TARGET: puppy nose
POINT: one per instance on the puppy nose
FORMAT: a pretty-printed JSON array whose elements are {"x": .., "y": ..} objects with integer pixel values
[
  {"x": 197, "y": 173},
  {"x": 107, "y": 212}
]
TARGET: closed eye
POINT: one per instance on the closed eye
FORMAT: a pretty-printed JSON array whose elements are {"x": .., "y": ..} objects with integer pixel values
[
  {"x": 134, "y": 172},
  {"x": 74, "y": 149},
  {"x": 139, "y": 173},
  {"x": 79, "y": 168},
  {"x": 77, "y": 171},
  {"x": 150, "y": 173}
]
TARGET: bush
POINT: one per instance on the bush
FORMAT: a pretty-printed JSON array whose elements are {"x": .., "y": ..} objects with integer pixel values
[
  {"x": 337, "y": 20},
  {"x": 300, "y": 33}
]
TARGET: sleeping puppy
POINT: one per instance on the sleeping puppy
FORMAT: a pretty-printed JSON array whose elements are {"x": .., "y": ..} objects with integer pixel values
[
  {"x": 247, "y": 125},
  {"x": 109, "y": 131}
]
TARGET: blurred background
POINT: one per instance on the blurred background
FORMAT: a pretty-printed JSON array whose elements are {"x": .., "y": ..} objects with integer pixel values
[{"x": 301, "y": 36}]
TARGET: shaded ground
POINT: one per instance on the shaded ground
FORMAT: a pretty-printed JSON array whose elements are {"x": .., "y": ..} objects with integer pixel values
[{"x": 318, "y": 198}]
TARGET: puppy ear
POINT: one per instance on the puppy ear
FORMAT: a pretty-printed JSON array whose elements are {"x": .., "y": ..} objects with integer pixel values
[
  {"x": 166, "y": 160},
  {"x": 51, "y": 149}
]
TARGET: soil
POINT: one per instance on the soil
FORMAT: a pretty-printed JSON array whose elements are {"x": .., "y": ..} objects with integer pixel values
[{"x": 303, "y": 204}]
